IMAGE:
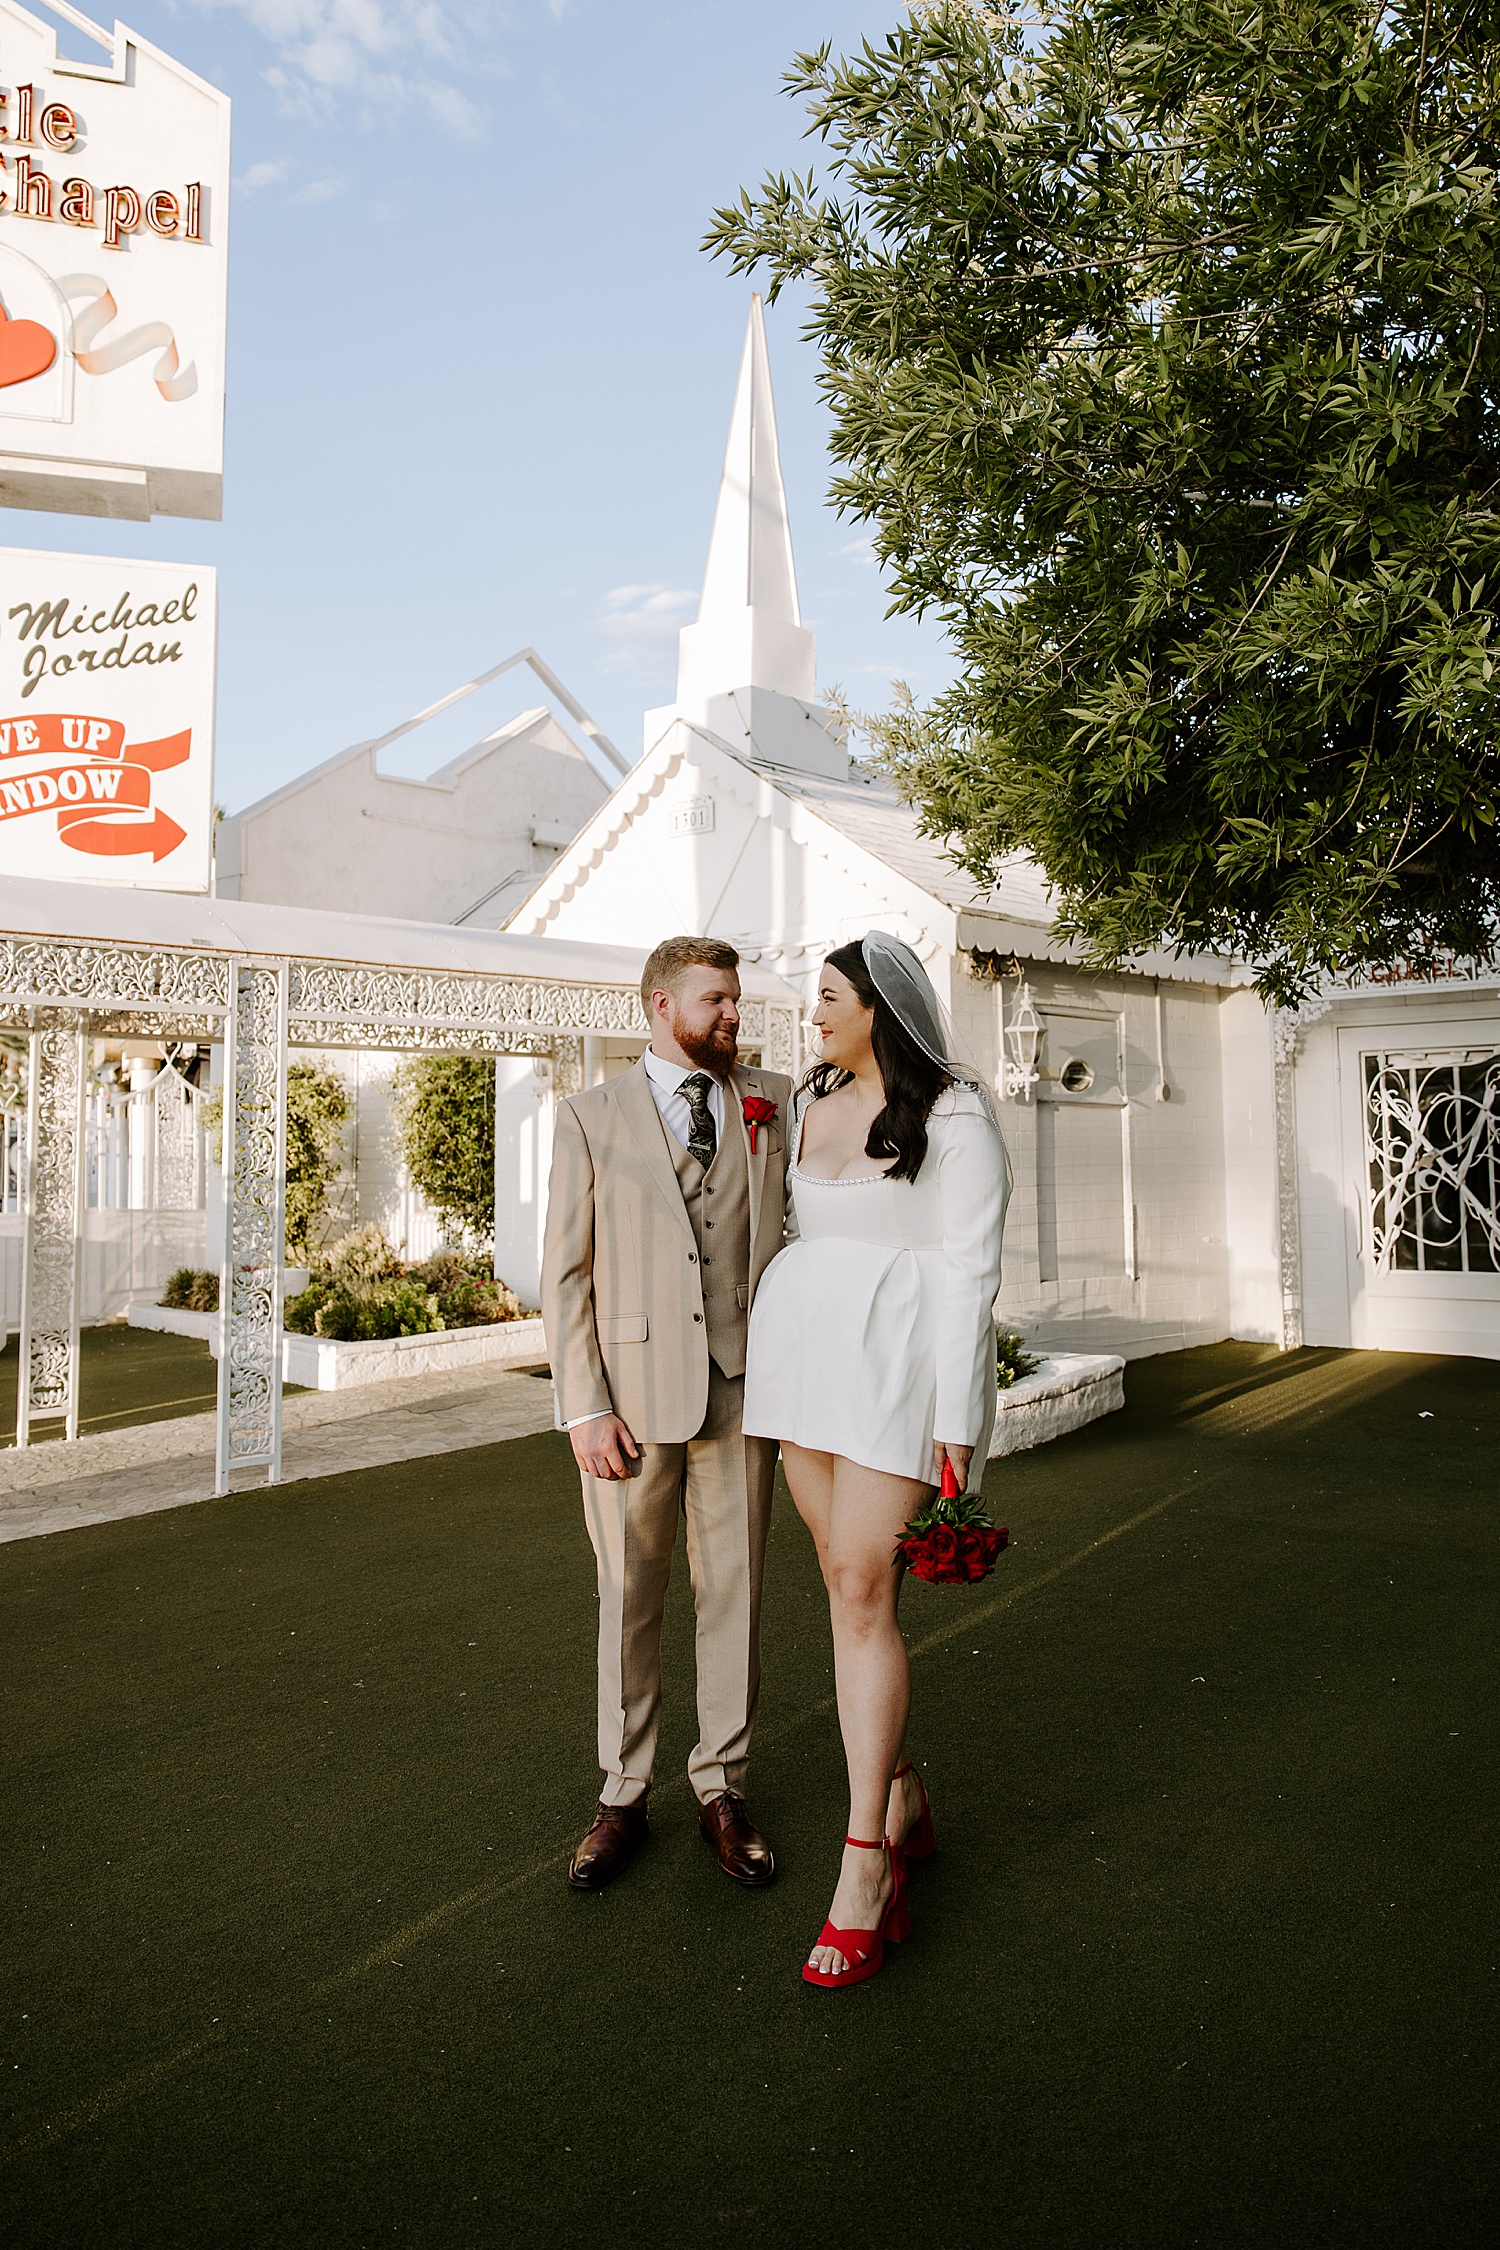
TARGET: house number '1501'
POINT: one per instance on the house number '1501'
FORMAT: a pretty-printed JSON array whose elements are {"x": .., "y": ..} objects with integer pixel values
[{"x": 695, "y": 817}]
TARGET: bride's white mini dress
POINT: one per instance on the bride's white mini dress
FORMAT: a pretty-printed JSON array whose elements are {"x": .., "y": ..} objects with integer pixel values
[{"x": 874, "y": 1332}]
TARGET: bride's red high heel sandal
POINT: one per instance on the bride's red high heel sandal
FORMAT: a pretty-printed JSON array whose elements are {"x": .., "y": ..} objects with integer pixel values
[
  {"x": 864, "y": 1950},
  {"x": 919, "y": 1842}
]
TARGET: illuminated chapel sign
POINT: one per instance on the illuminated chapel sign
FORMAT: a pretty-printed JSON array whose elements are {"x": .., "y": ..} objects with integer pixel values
[{"x": 114, "y": 191}]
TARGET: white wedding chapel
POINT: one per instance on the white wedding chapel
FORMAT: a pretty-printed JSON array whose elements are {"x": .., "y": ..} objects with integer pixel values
[{"x": 1188, "y": 1166}]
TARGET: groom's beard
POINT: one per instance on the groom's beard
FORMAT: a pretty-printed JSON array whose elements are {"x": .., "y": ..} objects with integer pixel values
[{"x": 716, "y": 1050}]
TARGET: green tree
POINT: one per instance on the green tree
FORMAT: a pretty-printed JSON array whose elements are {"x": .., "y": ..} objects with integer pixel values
[
  {"x": 1157, "y": 336},
  {"x": 317, "y": 1109},
  {"x": 445, "y": 1110}
]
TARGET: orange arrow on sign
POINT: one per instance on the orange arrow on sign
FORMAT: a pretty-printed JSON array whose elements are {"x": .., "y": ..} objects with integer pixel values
[
  {"x": 158, "y": 835},
  {"x": 170, "y": 751}
]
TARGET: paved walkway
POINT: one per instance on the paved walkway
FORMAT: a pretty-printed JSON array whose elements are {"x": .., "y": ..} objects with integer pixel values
[{"x": 135, "y": 1472}]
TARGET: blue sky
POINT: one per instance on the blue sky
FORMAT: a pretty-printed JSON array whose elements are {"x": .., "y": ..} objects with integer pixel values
[{"x": 479, "y": 371}]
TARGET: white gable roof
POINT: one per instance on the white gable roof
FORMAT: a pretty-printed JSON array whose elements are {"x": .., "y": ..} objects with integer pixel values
[
  {"x": 848, "y": 823},
  {"x": 869, "y": 811}
]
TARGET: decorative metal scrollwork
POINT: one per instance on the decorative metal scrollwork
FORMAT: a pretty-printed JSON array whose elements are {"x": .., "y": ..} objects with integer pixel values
[
  {"x": 1432, "y": 1142},
  {"x": 57, "y": 972},
  {"x": 184, "y": 992},
  {"x": 177, "y": 1143},
  {"x": 418, "y": 1038},
  {"x": 398, "y": 1000},
  {"x": 48, "y": 1383},
  {"x": 250, "y": 1277}
]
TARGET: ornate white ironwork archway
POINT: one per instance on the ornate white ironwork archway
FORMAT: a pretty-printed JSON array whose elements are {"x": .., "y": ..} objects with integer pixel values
[{"x": 63, "y": 991}]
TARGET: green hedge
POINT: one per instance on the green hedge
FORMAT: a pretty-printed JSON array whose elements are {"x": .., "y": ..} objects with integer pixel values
[{"x": 445, "y": 1112}]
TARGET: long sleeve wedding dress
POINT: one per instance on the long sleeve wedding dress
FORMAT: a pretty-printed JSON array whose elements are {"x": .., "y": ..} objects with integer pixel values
[{"x": 873, "y": 1333}]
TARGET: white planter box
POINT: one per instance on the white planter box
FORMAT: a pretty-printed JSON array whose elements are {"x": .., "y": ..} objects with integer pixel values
[
  {"x": 319, "y": 1363},
  {"x": 1063, "y": 1394},
  {"x": 166, "y": 1322},
  {"x": 324, "y": 1365}
]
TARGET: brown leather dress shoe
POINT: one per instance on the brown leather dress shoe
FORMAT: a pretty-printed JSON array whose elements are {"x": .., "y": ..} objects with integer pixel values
[
  {"x": 743, "y": 1852},
  {"x": 611, "y": 1844}
]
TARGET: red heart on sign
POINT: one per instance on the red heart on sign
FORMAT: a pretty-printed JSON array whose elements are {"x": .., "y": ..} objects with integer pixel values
[{"x": 26, "y": 349}]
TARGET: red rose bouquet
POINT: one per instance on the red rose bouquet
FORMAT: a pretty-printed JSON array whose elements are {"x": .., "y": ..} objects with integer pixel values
[
  {"x": 757, "y": 1111},
  {"x": 950, "y": 1542}
]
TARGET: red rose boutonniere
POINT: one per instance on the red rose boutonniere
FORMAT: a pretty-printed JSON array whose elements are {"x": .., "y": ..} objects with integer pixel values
[
  {"x": 950, "y": 1542},
  {"x": 757, "y": 1111}
]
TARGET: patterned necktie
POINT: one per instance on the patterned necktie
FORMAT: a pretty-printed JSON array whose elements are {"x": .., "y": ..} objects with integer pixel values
[{"x": 702, "y": 1140}]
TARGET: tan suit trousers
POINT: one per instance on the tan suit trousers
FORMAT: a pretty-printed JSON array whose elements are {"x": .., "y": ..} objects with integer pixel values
[{"x": 722, "y": 1481}]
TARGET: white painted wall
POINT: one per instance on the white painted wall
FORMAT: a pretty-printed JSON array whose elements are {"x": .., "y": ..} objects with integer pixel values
[
  {"x": 351, "y": 838},
  {"x": 1324, "y": 1199},
  {"x": 125, "y": 1254},
  {"x": 1252, "y": 1234},
  {"x": 768, "y": 875},
  {"x": 1102, "y": 1186}
]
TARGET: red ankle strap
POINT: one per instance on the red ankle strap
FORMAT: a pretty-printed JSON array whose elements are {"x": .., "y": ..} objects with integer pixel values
[
  {"x": 900, "y": 1770},
  {"x": 865, "y": 1846}
]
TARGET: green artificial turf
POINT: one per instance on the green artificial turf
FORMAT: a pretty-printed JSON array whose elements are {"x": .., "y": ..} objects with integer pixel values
[
  {"x": 1207, "y": 1954},
  {"x": 125, "y": 1376}
]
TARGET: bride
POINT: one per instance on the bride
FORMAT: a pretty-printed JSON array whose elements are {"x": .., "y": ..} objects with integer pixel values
[{"x": 872, "y": 1359}]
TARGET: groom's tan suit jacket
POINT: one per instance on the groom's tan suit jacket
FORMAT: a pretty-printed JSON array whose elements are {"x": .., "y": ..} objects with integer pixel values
[{"x": 633, "y": 1312}]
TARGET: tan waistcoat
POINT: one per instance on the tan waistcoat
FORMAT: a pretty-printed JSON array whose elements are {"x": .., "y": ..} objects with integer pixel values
[{"x": 718, "y": 1204}]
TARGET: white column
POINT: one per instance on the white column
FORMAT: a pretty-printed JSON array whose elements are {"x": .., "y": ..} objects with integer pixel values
[
  {"x": 523, "y": 1158},
  {"x": 142, "y": 1135}
]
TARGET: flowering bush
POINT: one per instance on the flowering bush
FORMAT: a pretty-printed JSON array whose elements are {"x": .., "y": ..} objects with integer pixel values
[{"x": 363, "y": 1291}]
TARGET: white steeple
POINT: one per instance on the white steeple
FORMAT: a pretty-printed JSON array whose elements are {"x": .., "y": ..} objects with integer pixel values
[
  {"x": 749, "y": 632},
  {"x": 747, "y": 670}
]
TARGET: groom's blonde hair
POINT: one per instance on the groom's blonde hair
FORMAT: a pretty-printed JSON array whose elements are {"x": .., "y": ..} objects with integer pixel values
[{"x": 664, "y": 967}]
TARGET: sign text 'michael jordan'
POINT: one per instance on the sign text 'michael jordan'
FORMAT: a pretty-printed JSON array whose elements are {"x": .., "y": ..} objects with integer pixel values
[
  {"x": 38, "y": 619},
  {"x": 27, "y": 192}
]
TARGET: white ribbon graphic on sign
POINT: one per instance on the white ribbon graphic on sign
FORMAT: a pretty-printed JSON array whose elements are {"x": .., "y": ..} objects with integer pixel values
[{"x": 172, "y": 380}]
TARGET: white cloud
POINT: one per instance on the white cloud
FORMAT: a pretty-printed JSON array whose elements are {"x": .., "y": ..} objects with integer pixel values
[
  {"x": 390, "y": 54},
  {"x": 263, "y": 175},
  {"x": 319, "y": 191},
  {"x": 641, "y": 622}
]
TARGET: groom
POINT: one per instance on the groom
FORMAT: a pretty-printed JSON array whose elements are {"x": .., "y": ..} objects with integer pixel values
[{"x": 661, "y": 1218}]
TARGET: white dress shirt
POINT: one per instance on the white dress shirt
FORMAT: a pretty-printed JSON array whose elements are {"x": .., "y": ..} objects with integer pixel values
[
  {"x": 665, "y": 1080},
  {"x": 666, "y": 1091}
]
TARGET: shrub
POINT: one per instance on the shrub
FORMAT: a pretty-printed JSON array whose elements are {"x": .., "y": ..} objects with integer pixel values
[
  {"x": 361, "y": 1291},
  {"x": 1012, "y": 1360},
  {"x": 317, "y": 1109},
  {"x": 191, "y": 1289},
  {"x": 445, "y": 1113},
  {"x": 467, "y": 1292},
  {"x": 362, "y": 1257}
]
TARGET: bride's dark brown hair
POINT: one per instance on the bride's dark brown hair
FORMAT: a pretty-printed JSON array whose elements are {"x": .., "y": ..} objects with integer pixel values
[{"x": 911, "y": 1079}]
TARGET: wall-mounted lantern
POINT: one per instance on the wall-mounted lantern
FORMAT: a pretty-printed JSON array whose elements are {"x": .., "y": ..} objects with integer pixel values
[{"x": 1023, "y": 1039}]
